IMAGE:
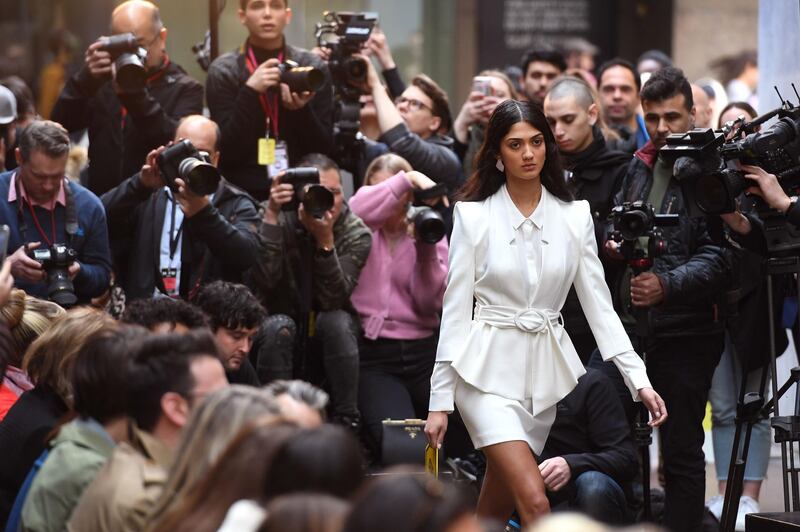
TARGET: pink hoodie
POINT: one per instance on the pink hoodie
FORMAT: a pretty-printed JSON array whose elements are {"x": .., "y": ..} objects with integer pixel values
[{"x": 399, "y": 294}]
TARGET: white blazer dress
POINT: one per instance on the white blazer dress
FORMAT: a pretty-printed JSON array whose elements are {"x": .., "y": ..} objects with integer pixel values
[{"x": 508, "y": 361}]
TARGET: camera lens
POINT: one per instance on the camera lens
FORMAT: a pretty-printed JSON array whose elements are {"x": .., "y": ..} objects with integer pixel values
[
  {"x": 302, "y": 79},
  {"x": 60, "y": 289},
  {"x": 428, "y": 224},
  {"x": 201, "y": 177},
  {"x": 130, "y": 72},
  {"x": 716, "y": 193},
  {"x": 317, "y": 200},
  {"x": 633, "y": 224},
  {"x": 356, "y": 69}
]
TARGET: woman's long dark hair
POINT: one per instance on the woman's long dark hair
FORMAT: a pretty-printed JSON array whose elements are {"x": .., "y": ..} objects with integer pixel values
[{"x": 487, "y": 179}]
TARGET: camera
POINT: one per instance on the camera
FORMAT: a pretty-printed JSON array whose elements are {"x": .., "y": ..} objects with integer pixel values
[
  {"x": 301, "y": 79},
  {"x": 344, "y": 34},
  {"x": 129, "y": 60},
  {"x": 701, "y": 158},
  {"x": 183, "y": 160},
  {"x": 316, "y": 199},
  {"x": 428, "y": 223},
  {"x": 55, "y": 261},
  {"x": 633, "y": 221}
]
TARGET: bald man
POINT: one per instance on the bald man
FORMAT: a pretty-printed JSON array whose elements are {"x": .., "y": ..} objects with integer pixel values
[
  {"x": 702, "y": 106},
  {"x": 124, "y": 124},
  {"x": 595, "y": 172},
  {"x": 179, "y": 240}
]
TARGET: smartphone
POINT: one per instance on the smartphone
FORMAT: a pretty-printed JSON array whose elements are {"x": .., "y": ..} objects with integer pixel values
[
  {"x": 4, "y": 233},
  {"x": 482, "y": 84}
]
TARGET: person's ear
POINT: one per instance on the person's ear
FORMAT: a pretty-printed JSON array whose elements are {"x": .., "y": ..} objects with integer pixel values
[
  {"x": 175, "y": 409},
  {"x": 241, "y": 13},
  {"x": 436, "y": 123},
  {"x": 593, "y": 113},
  {"x": 18, "y": 156},
  {"x": 288, "y": 15},
  {"x": 163, "y": 36}
]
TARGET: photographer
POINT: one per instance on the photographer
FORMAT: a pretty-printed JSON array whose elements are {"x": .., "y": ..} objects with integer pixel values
[
  {"x": 191, "y": 238},
  {"x": 311, "y": 264},
  {"x": 43, "y": 208},
  {"x": 413, "y": 127},
  {"x": 595, "y": 173},
  {"x": 254, "y": 107},
  {"x": 126, "y": 122},
  {"x": 398, "y": 298},
  {"x": 686, "y": 342}
]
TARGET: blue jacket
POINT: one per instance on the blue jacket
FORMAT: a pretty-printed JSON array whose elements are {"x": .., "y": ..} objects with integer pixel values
[{"x": 90, "y": 241}]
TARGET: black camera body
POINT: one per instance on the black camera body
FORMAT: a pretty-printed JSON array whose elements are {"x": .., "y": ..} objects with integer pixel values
[
  {"x": 315, "y": 198},
  {"x": 301, "y": 78},
  {"x": 55, "y": 261},
  {"x": 183, "y": 160},
  {"x": 428, "y": 223},
  {"x": 637, "y": 220},
  {"x": 344, "y": 34},
  {"x": 129, "y": 60}
]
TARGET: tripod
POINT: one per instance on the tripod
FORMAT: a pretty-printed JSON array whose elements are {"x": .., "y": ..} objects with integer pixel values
[{"x": 751, "y": 409}]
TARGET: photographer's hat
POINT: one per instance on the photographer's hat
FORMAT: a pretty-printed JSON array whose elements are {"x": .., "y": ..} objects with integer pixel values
[{"x": 8, "y": 106}]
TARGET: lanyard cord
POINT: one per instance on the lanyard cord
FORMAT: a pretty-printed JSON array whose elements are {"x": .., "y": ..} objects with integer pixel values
[
  {"x": 39, "y": 227},
  {"x": 174, "y": 238},
  {"x": 269, "y": 102}
]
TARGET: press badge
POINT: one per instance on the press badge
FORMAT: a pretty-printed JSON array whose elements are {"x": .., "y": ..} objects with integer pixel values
[
  {"x": 266, "y": 151},
  {"x": 280, "y": 157},
  {"x": 169, "y": 276}
]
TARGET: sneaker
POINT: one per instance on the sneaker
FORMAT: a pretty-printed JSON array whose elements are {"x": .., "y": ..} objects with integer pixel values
[
  {"x": 714, "y": 505},
  {"x": 747, "y": 505}
]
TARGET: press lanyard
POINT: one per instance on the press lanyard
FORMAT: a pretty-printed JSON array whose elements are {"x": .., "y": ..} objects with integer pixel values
[
  {"x": 39, "y": 227},
  {"x": 269, "y": 102},
  {"x": 160, "y": 72},
  {"x": 174, "y": 237}
]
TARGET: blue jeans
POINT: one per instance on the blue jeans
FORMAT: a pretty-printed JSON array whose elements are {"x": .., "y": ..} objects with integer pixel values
[
  {"x": 595, "y": 494},
  {"x": 724, "y": 395}
]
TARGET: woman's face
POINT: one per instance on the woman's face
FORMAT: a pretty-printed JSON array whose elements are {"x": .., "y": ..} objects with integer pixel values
[
  {"x": 523, "y": 152},
  {"x": 732, "y": 114}
]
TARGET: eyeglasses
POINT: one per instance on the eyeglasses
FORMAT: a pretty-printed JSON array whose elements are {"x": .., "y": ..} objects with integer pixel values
[{"x": 412, "y": 103}]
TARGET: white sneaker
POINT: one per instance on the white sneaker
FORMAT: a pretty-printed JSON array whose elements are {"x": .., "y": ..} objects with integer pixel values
[
  {"x": 747, "y": 505},
  {"x": 714, "y": 505}
]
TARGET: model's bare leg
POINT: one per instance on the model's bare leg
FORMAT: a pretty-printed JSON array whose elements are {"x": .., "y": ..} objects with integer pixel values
[{"x": 514, "y": 474}]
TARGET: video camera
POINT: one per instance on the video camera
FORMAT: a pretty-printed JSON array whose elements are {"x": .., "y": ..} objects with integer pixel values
[
  {"x": 56, "y": 261},
  {"x": 345, "y": 34},
  {"x": 316, "y": 199},
  {"x": 429, "y": 225},
  {"x": 701, "y": 158},
  {"x": 183, "y": 160},
  {"x": 129, "y": 60},
  {"x": 637, "y": 220}
]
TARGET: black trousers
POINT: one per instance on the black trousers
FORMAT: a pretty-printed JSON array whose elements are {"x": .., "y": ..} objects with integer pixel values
[{"x": 680, "y": 370}]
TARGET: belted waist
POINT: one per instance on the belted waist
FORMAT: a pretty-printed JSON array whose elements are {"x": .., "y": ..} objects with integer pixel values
[{"x": 533, "y": 320}]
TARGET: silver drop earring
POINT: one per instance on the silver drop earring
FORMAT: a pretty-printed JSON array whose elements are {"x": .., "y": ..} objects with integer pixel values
[{"x": 500, "y": 165}]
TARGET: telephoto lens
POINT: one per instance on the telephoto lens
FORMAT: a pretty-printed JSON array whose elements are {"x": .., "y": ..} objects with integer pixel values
[
  {"x": 183, "y": 160},
  {"x": 428, "y": 224},
  {"x": 128, "y": 56},
  {"x": 301, "y": 79},
  {"x": 56, "y": 261}
]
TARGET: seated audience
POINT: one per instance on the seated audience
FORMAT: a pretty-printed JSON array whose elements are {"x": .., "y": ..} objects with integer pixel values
[
  {"x": 235, "y": 315},
  {"x": 305, "y": 512},
  {"x": 398, "y": 299},
  {"x": 168, "y": 376},
  {"x": 300, "y": 401},
  {"x": 82, "y": 446},
  {"x": 48, "y": 363},
  {"x": 165, "y": 314}
]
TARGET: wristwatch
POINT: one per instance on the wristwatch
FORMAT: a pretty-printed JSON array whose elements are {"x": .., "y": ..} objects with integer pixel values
[{"x": 792, "y": 202}]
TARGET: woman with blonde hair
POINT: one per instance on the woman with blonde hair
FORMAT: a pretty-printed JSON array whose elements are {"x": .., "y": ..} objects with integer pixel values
[
  {"x": 48, "y": 362},
  {"x": 26, "y": 318},
  {"x": 211, "y": 428}
]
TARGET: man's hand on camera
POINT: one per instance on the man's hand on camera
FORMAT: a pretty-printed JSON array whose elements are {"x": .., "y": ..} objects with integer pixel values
[
  {"x": 24, "y": 267},
  {"x": 6, "y": 282},
  {"x": 189, "y": 202},
  {"x": 646, "y": 290},
  {"x": 373, "y": 79},
  {"x": 420, "y": 181},
  {"x": 266, "y": 75},
  {"x": 737, "y": 221},
  {"x": 149, "y": 176},
  {"x": 73, "y": 270},
  {"x": 322, "y": 52},
  {"x": 294, "y": 100},
  {"x": 97, "y": 61},
  {"x": 279, "y": 195},
  {"x": 378, "y": 46},
  {"x": 611, "y": 249},
  {"x": 320, "y": 228},
  {"x": 767, "y": 187}
]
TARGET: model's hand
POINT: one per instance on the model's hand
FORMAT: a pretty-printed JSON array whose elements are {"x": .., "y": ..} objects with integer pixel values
[
  {"x": 294, "y": 100},
  {"x": 6, "y": 282},
  {"x": 24, "y": 267},
  {"x": 655, "y": 405},
  {"x": 150, "y": 176},
  {"x": 646, "y": 290},
  {"x": 320, "y": 228},
  {"x": 189, "y": 202},
  {"x": 767, "y": 187},
  {"x": 97, "y": 61},
  {"x": 555, "y": 473},
  {"x": 435, "y": 428},
  {"x": 266, "y": 75}
]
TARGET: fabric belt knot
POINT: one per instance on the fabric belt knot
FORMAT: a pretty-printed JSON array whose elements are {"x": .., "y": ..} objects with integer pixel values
[{"x": 531, "y": 320}]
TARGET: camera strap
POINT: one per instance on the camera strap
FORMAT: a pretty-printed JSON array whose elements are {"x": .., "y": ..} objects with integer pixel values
[
  {"x": 174, "y": 237},
  {"x": 269, "y": 102},
  {"x": 71, "y": 219}
]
